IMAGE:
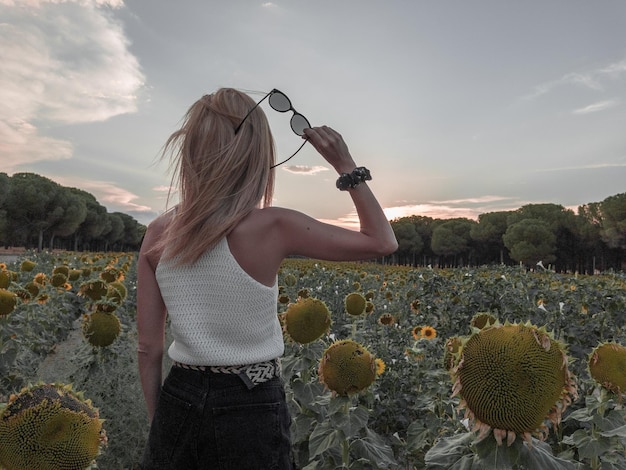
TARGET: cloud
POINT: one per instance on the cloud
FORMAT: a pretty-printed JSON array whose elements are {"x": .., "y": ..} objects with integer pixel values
[
  {"x": 108, "y": 194},
  {"x": 594, "y": 108},
  {"x": 61, "y": 64},
  {"x": 469, "y": 208},
  {"x": 305, "y": 170},
  {"x": 593, "y": 166},
  {"x": 592, "y": 80},
  {"x": 614, "y": 70},
  {"x": 39, "y": 3},
  {"x": 585, "y": 80}
]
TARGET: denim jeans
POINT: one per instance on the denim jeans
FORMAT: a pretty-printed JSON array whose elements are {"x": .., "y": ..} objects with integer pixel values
[{"x": 214, "y": 421}]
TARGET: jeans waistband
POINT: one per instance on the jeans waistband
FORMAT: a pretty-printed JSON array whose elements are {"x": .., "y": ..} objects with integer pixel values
[{"x": 251, "y": 374}]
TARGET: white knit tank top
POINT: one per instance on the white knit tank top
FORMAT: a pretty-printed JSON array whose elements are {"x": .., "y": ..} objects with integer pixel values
[{"x": 219, "y": 314}]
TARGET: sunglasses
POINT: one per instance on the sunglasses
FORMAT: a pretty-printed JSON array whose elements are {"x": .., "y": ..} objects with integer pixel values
[{"x": 281, "y": 103}]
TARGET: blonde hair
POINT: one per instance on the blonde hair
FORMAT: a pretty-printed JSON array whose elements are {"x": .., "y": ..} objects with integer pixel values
[{"x": 221, "y": 176}]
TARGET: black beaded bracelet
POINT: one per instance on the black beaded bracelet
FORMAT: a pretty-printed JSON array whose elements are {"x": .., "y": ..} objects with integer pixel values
[{"x": 352, "y": 180}]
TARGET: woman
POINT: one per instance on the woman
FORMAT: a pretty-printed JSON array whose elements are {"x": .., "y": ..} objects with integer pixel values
[{"x": 211, "y": 264}]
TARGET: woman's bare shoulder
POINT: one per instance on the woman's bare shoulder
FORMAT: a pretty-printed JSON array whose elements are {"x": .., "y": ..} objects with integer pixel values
[{"x": 154, "y": 233}]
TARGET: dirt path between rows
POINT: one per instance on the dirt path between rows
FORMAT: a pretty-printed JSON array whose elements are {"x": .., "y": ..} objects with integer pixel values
[{"x": 58, "y": 365}]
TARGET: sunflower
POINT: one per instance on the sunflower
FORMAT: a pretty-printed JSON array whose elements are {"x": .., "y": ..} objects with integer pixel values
[
  {"x": 387, "y": 319},
  {"x": 416, "y": 332},
  {"x": 347, "y": 367},
  {"x": 41, "y": 279},
  {"x": 290, "y": 280},
  {"x": 428, "y": 332},
  {"x": 49, "y": 426},
  {"x": 27, "y": 265},
  {"x": 511, "y": 379},
  {"x": 355, "y": 304},
  {"x": 8, "y": 302},
  {"x": 306, "y": 320},
  {"x": 5, "y": 279},
  {"x": 607, "y": 366}
]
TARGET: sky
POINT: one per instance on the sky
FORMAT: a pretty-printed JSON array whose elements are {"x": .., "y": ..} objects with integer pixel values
[{"x": 458, "y": 108}]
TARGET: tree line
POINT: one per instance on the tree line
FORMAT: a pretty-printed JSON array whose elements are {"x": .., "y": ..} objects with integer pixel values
[
  {"x": 550, "y": 235},
  {"x": 38, "y": 213}
]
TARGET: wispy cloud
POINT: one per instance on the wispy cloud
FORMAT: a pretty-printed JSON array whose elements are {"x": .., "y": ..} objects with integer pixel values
[
  {"x": 595, "y": 107},
  {"x": 593, "y": 80},
  {"x": 60, "y": 66},
  {"x": 592, "y": 166},
  {"x": 614, "y": 70},
  {"x": 38, "y": 3},
  {"x": 108, "y": 194},
  {"x": 469, "y": 208},
  {"x": 305, "y": 170}
]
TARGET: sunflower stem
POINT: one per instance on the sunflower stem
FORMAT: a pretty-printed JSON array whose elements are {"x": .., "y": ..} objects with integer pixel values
[{"x": 345, "y": 453}]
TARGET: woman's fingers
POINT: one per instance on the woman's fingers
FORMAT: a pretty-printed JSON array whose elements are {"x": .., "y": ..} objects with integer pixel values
[{"x": 329, "y": 143}]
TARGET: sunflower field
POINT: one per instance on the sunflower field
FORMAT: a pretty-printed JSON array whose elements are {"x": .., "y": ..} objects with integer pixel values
[{"x": 385, "y": 367}]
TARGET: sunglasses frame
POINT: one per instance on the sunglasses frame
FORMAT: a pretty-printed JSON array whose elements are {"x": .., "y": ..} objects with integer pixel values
[{"x": 291, "y": 108}]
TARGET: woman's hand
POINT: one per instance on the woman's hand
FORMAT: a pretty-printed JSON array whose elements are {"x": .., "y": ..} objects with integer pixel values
[{"x": 330, "y": 145}]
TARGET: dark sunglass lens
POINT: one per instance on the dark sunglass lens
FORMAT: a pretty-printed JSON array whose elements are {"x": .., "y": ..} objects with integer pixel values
[
  {"x": 280, "y": 102},
  {"x": 299, "y": 123}
]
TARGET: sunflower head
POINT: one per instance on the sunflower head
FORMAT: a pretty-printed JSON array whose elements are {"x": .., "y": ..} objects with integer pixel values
[
  {"x": 512, "y": 378},
  {"x": 416, "y": 331},
  {"x": 306, "y": 320},
  {"x": 428, "y": 332},
  {"x": 49, "y": 426},
  {"x": 58, "y": 279},
  {"x": 355, "y": 304},
  {"x": 27, "y": 265},
  {"x": 8, "y": 301},
  {"x": 387, "y": 319},
  {"x": 112, "y": 274},
  {"x": 607, "y": 366},
  {"x": 40, "y": 279},
  {"x": 5, "y": 278},
  {"x": 63, "y": 269},
  {"x": 290, "y": 280},
  {"x": 101, "y": 328},
  {"x": 116, "y": 292},
  {"x": 95, "y": 289},
  {"x": 347, "y": 368}
]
